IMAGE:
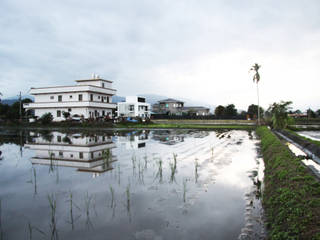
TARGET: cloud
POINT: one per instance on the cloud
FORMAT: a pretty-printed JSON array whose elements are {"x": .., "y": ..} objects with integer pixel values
[{"x": 200, "y": 50}]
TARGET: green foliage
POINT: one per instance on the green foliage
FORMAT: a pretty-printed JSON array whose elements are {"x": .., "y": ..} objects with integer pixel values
[
  {"x": 46, "y": 118},
  {"x": 292, "y": 195},
  {"x": 279, "y": 113},
  {"x": 253, "y": 111},
  {"x": 13, "y": 112},
  {"x": 230, "y": 111},
  {"x": 219, "y": 111},
  {"x": 66, "y": 115},
  {"x": 256, "y": 76}
]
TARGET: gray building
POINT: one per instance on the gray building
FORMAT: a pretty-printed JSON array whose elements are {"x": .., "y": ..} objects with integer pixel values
[
  {"x": 196, "y": 111},
  {"x": 168, "y": 106}
]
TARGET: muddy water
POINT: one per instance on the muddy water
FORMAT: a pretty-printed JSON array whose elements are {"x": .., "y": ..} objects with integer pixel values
[{"x": 166, "y": 184}]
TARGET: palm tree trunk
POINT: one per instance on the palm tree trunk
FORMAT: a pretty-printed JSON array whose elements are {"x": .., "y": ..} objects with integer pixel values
[{"x": 258, "y": 104}]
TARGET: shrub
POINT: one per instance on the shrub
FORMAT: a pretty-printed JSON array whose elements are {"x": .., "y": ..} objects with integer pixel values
[{"x": 46, "y": 118}]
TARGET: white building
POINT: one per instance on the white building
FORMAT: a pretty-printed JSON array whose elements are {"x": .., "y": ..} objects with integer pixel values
[
  {"x": 134, "y": 106},
  {"x": 89, "y": 98}
]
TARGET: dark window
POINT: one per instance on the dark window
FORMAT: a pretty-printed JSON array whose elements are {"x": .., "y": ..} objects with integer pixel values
[
  {"x": 107, "y": 99},
  {"x": 140, "y": 145},
  {"x": 51, "y": 97},
  {"x": 69, "y": 109},
  {"x": 80, "y": 155},
  {"x": 92, "y": 155},
  {"x": 103, "y": 113},
  {"x": 58, "y": 113},
  {"x": 80, "y": 97},
  {"x": 59, "y": 98},
  {"x": 70, "y": 96},
  {"x": 103, "y": 85},
  {"x": 59, "y": 138},
  {"x": 140, "y": 99},
  {"x": 61, "y": 154},
  {"x": 91, "y": 97},
  {"x": 131, "y": 107}
]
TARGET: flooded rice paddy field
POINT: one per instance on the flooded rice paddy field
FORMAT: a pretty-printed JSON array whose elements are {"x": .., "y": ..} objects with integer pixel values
[
  {"x": 314, "y": 135},
  {"x": 161, "y": 184}
]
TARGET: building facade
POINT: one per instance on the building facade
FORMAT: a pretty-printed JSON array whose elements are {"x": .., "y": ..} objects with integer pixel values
[
  {"x": 168, "y": 106},
  {"x": 90, "y": 98},
  {"x": 134, "y": 106},
  {"x": 196, "y": 111}
]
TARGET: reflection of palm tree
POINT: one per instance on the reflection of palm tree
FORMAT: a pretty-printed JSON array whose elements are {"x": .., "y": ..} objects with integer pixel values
[
  {"x": 0, "y": 95},
  {"x": 256, "y": 78}
]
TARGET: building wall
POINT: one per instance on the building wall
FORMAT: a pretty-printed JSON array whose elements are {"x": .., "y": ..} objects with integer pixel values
[
  {"x": 137, "y": 111},
  {"x": 97, "y": 83},
  {"x": 171, "y": 107}
]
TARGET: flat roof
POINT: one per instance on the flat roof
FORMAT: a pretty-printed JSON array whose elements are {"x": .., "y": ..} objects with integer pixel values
[{"x": 94, "y": 79}]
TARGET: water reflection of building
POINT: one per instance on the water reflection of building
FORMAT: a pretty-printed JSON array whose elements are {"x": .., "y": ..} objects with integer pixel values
[
  {"x": 88, "y": 153},
  {"x": 168, "y": 137},
  {"x": 134, "y": 140}
]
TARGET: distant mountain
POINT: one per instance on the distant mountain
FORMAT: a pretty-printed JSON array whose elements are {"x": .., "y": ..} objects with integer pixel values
[
  {"x": 116, "y": 99},
  {"x": 12, "y": 100}
]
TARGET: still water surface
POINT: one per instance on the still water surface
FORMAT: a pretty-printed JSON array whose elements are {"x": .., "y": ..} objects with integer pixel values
[{"x": 165, "y": 184}]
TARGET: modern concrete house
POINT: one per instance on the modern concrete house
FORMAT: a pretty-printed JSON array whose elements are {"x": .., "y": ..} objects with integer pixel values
[
  {"x": 85, "y": 153},
  {"x": 196, "y": 111},
  {"x": 168, "y": 106},
  {"x": 134, "y": 106},
  {"x": 89, "y": 98}
]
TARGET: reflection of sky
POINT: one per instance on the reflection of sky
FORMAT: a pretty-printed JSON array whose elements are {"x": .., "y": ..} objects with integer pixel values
[
  {"x": 214, "y": 206},
  {"x": 314, "y": 135}
]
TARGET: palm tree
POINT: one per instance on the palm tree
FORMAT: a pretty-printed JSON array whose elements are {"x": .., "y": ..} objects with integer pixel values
[{"x": 256, "y": 78}]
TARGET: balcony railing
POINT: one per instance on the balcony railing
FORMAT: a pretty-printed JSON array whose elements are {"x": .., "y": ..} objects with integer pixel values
[{"x": 70, "y": 104}]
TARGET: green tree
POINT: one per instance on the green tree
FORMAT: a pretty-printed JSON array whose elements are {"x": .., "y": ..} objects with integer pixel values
[
  {"x": 46, "y": 118},
  {"x": 256, "y": 78},
  {"x": 66, "y": 115},
  {"x": 253, "y": 111},
  {"x": 230, "y": 111},
  {"x": 279, "y": 113},
  {"x": 310, "y": 113},
  {"x": 318, "y": 113},
  {"x": 219, "y": 111}
]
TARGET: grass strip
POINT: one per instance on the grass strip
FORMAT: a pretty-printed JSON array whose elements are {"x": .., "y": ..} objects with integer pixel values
[{"x": 291, "y": 197}]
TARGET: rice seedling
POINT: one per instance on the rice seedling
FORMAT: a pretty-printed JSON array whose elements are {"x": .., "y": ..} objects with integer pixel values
[
  {"x": 119, "y": 175},
  {"x": 196, "y": 166},
  {"x": 51, "y": 167},
  {"x": 212, "y": 152},
  {"x": 133, "y": 159},
  {"x": 145, "y": 161},
  {"x": 128, "y": 201},
  {"x": 140, "y": 170},
  {"x": 184, "y": 190},
  {"x": 53, "y": 223},
  {"x": 159, "y": 173},
  {"x": 35, "y": 181},
  {"x": 87, "y": 202},
  {"x": 31, "y": 228},
  {"x": 107, "y": 157},
  {"x": 112, "y": 197}
]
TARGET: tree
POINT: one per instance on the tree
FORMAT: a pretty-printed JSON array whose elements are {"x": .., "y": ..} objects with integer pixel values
[
  {"x": 318, "y": 113},
  {"x": 256, "y": 78},
  {"x": 253, "y": 111},
  {"x": 279, "y": 113},
  {"x": 230, "y": 111},
  {"x": 46, "y": 118},
  {"x": 310, "y": 113},
  {"x": 219, "y": 111}
]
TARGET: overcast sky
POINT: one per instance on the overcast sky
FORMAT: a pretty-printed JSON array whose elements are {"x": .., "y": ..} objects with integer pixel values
[{"x": 200, "y": 49}]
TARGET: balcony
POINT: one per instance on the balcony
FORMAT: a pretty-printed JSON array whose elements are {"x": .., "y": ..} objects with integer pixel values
[
  {"x": 70, "y": 89},
  {"x": 70, "y": 104}
]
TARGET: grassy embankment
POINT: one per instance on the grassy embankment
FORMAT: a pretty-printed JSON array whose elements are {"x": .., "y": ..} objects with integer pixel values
[
  {"x": 101, "y": 125},
  {"x": 291, "y": 196}
]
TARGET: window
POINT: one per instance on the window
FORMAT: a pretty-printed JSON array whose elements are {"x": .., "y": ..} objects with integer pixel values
[
  {"x": 69, "y": 109},
  {"x": 167, "y": 105},
  {"x": 58, "y": 113},
  {"x": 131, "y": 107},
  {"x": 59, "y": 98},
  {"x": 102, "y": 99},
  {"x": 60, "y": 154},
  {"x": 81, "y": 155},
  {"x": 103, "y": 113},
  {"x": 92, "y": 155},
  {"x": 102, "y": 85},
  {"x": 71, "y": 155},
  {"x": 70, "y": 96},
  {"x": 107, "y": 99},
  {"x": 91, "y": 97},
  {"x": 59, "y": 138},
  {"x": 51, "y": 97},
  {"x": 98, "y": 97},
  {"x": 80, "y": 97}
]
